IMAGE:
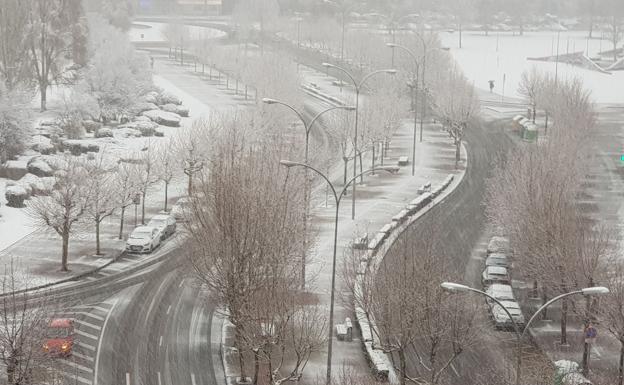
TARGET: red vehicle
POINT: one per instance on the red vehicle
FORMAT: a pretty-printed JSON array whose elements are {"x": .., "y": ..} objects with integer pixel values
[{"x": 60, "y": 337}]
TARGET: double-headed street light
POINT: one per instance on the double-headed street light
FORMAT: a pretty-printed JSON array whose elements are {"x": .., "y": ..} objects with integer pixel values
[
  {"x": 338, "y": 197},
  {"x": 307, "y": 125},
  {"x": 456, "y": 287},
  {"x": 358, "y": 87}
]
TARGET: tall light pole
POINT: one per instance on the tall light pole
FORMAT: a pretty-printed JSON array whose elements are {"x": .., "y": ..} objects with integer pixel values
[
  {"x": 337, "y": 198},
  {"x": 456, "y": 287},
  {"x": 358, "y": 88},
  {"x": 307, "y": 125},
  {"x": 415, "y": 96}
]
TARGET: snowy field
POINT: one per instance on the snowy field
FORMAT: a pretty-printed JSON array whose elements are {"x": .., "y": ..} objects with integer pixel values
[
  {"x": 503, "y": 56},
  {"x": 156, "y": 32}
]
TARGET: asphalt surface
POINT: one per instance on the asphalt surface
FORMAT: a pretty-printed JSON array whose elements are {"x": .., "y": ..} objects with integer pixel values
[{"x": 462, "y": 217}]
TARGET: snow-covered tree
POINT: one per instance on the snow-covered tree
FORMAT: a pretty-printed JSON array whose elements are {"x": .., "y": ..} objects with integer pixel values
[
  {"x": 50, "y": 35},
  {"x": 117, "y": 75},
  {"x": 66, "y": 205},
  {"x": 101, "y": 194},
  {"x": 118, "y": 13},
  {"x": 125, "y": 189},
  {"x": 13, "y": 127},
  {"x": 15, "y": 66}
]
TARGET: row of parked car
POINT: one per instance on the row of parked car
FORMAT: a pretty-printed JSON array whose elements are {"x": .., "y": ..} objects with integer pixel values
[
  {"x": 496, "y": 280},
  {"x": 145, "y": 239}
]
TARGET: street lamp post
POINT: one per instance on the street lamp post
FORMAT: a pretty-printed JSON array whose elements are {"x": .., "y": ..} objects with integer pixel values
[
  {"x": 358, "y": 88},
  {"x": 307, "y": 125},
  {"x": 415, "y": 91},
  {"x": 337, "y": 198},
  {"x": 456, "y": 287}
]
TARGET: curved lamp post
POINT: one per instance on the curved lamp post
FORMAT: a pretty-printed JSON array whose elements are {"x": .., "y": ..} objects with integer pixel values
[
  {"x": 415, "y": 90},
  {"x": 358, "y": 87},
  {"x": 307, "y": 125},
  {"x": 338, "y": 197},
  {"x": 456, "y": 287}
]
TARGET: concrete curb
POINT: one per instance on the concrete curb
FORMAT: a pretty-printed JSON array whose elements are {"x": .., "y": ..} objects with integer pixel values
[{"x": 216, "y": 346}]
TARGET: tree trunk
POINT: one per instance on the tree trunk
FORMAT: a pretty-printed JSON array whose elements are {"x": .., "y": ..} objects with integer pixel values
[
  {"x": 545, "y": 312},
  {"x": 361, "y": 170},
  {"x": 621, "y": 364},
  {"x": 534, "y": 112},
  {"x": 65, "y": 238},
  {"x": 460, "y": 35},
  {"x": 43, "y": 89},
  {"x": 121, "y": 222},
  {"x": 564, "y": 321},
  {"x": 373, "y": 160},
  {"x": 256, "y": 366},
  {"x": 403, "y": 363},
  {"x": 143, "y": 207},
  {"x": 166, "y": 194},
  {"x": 344, "y": 179},
  {"x": 457, "y": 152},
  {"x": 97, "y": 236}
]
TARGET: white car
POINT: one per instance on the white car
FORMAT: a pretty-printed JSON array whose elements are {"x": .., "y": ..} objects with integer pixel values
[
  {"x": 497, "y": 259},
  {"x": 165, "y": 223},
  {"x": 143, "y": 239},
  {"x": 180, "y": 207},
  {"x": 501, "y": 319},
  {"x": 500, "y": 292},
  {"x": 494, "y": 274}
]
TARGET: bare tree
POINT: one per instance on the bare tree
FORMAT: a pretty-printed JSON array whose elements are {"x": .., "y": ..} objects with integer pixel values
[
  {"x": 166, "y": 168},
  {"x": 146, "y": 173},
  {"x": 245, "y": 221},
  {"x": 49, "y": 37},
  {"x": 101, "y": 194},
  {"x": 14, "y": 57},
  {"x": 455, "y": 103},
  {"x": 611, "y": 311},
  {"x": 65, "y": 206},
  {"x": 125, "y": 189},
  {"x": 531, "y": 83},
  {"x": 23, "y": 325}
]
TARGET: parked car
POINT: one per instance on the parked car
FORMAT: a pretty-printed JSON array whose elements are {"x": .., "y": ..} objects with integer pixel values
[
  {"x": 165, "y": 223},
  {"x": 500, "y": 292},
  {"x": 59, "y": 339},
  {"x": 495, "y": 274},
  {"x": 179, "y": 208},
  {"x": 143, "y": 239},
  {"x": 501, "y": 319},
  {"x": 569, "y": 373},
  {"x": 497, "y": 259},
  {"x": 499, "y": 245}
]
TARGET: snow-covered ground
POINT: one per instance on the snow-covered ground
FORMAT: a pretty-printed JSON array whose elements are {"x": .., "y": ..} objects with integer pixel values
[
  {"x": 502, "y": 58},
  {"x": 155, "y": 32}
]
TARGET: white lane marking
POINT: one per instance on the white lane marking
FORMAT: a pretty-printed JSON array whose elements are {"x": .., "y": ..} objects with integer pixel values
[
  {"x": 127, "y": 378},
  {"x": 86, "y": 346},
  {"x": 193, "y": 379},
  {"x": 88, "y": 324},
  {"x": 73, "y": 376},
  {"x": 82, "y": 356},
  {"x": 168, "y": 309},
  {"x": 77, "y": 366},
  {"x": 91, "y": 278},
  {"x": 160, "y": 342},
  {"x": 99, "y": 347},
  {"x": 181, "y": 283},
  {"x": 95, "y": 307},
  {"x": 87, "y": 335},
  {"x": 84, "y": 313},
  {"x": 159, "y": 380}
]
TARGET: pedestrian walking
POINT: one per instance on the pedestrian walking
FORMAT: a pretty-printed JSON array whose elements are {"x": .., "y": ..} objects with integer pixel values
[
  {"x": 491, "y": 84},
  {"x": 152, "y": 62}
]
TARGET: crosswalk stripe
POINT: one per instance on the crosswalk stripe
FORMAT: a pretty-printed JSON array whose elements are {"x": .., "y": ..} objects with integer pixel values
[
  {"x": 86, "y": 346},
  {"x": 77, "y": 366},
  {"x": 73, "y": 376},
  {"x": 82, "y": 356},
  {"x": 88, "y": 324},
  {"x": 84, "y": 334},
  {"x": 83, "y": 313}
]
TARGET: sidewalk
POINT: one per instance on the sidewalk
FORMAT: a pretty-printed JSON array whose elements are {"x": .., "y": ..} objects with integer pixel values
[{"x": 380, "y": 198}]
